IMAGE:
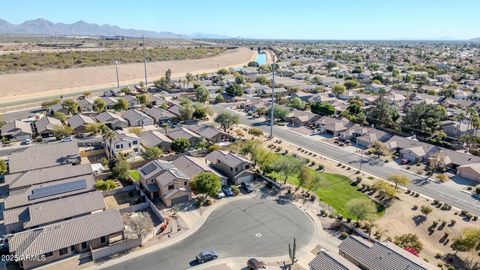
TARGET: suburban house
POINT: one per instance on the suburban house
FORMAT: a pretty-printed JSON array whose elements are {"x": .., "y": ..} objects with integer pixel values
[
  {"x": 58, "y": 108},
  {"x": 162, "y": 180},
  {"x": 333, "y": 126},
  {"x": 126, "y": 144},
  {"x": 372, "y": 135},
  {"x": 210, "y": 133},
  {"x": 458, "y": 103},
  {"x": 470, "y": 171},
  {"x": 132, "y": 101},
  {"x": 44, "y": 213},
  {"x": 136, "y": 118},
  {"x": 160, "y": 115},
  {"x": 455, "y": 129},
  {"x": 85, "y": 104},
  {"x": 45, "y": 127},
  {"x": 235, "y": 167},
  {"x": 44, "y": 156},
  {"x": 79, "y": 123},
  {"x": 182, "y": 132},
  {"x": 300, "y": 118},
  {"x": 16, "y": 130},
  {"x": 40, "y": 246},
  {"x": 374, "y": 255},
  {"x": 112, "y": 120},
  {"x": 110, "y": 102},
  {"x": 151, "y": 138},
  {"x": 327, "y": 260},
  {"x": 192, "y": 166}
]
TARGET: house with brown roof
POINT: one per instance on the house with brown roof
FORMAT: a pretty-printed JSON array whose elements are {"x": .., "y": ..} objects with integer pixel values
[
  {"x": 160, "y": 115},
  {"x": 333, "y": 126},
  {"x": 470, "y": 171},
  {"x": 300, "y": 118},
  {"x": 162, "y": 180},
  {"x": 238, "y": 169},
  {"x": 182, "y": 132}
]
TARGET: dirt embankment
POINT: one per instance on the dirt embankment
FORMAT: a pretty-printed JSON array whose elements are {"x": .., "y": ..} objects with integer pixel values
[{"x": 31, "y": 85}]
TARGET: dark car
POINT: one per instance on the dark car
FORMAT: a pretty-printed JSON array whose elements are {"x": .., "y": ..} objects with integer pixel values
[
  {"x": 228, "y": 191},
  {"x": 206, "y": 256},
  {"x": 247, "y": 187},
  {"x": 254, "y": 264}
]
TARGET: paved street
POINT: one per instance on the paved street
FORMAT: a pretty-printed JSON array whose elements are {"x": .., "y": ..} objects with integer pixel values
[
  {"x": 242, "y": 228},
  {"x": 432, "y": 189}
]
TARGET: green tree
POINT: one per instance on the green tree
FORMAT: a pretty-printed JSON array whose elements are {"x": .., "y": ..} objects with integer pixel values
[
  {"x": 380, "y": 149},
  {"x": 62, "y": 131},
  {"x": 234, "y": 90},
  {"x": 168, "y": 77},
  {"x": 409, "y": 240},
  {"x": 279, "y": 112},
  {"x": 240, "y": 80},
  {"x": 189, "y": 78},
  {"x": 350, "y": 84},
  {"x": 3, "y": 167},
  {"x": 426, "y": 210},
  {"x": 105, "y": 185},
  {"x": 385, "y": 189},
  {"x": 202, "y": 144},
  {"x": 423, "y": 117},
  {"x": 323, "y": 108},
  {"x": 383, "y": 114},
  {"x": 99, "y": 105},
  {"x": 219, "y": 99},
  {"x": 202, "y": 95},
  {"x": 122, "y": 105},
  {"x": 262, "y": 80},
  {"x": 287, "y": 166},
  {"x": 93, "y": 127},
  {"x": 362, "y": 209},
  {"x": 60, "y": 116},
  {"x": 120, "y": 168},
  {"x": 186, "y": 111},
  {"x": 207, "y": 183},
  {"x": 399, "y": 180},
  {"x": 151, "y": 153},
  {"x": 200, "y": 111},
  {"x": 71, "y": 106},
  {"x": 297, "y": 103},
  {"x": 180, "y": 145},
  {"x": 227, "y": 120},
  {"x": 143, "y": 99}
]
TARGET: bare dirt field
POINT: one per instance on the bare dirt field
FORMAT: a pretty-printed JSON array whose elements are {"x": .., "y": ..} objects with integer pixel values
[{"x": 31, "y": 85}]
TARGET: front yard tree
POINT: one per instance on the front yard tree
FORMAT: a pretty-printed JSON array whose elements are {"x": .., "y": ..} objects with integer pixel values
[
  {"x": 202, "y": 95},
  {"x": 122, "y": 104},
  {"x": 362, "y": 209},
  {"x": 71, "y": 106},
  {"x": 380, "y": 149},
  {"x": 99, "y": 105},
  {"x": 3, "y": 167},
  {"x": 323, "y": 108},
  {"x": 207, "y": 183},
  {"x": 180, "y": 145},
  {"x": 227, "y": 120},
  {"x": 279, "y": 112},
  {"x": 297, "y": 103},
  {"x": 139, "y": 224},
  {"x": 399, "y": 180},
  {"x": 385, "y": 189},
  {"x": 60, "y": 116},
  {"x": 234, "y": 90},
  {"x": 120, "y": 168},
  {"x": 151, "y": 153},
  {"x": 62, "y": 131},
  {"x": 143, "y": 99}
]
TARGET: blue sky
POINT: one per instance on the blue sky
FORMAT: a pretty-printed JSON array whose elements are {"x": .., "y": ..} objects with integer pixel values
[{"x": 293, "y": 19}]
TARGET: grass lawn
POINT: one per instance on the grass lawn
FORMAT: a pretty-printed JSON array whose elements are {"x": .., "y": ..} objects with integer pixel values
[
  {"x": 337, "y": 191},
  {"x": 135, "y": 175}
]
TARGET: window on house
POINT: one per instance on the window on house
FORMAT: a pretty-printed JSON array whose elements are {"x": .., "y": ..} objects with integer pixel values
[
  {"x": 129, "y": 145},
  {"x": 185, "y": 183},
  {"x": 247, "y": 167},
  {"x": 84, "y": 245},
  {"x": 117, "y": 146},
  {"x": 48, "y": 254},
  {"x": 236, "y": 169},
  {"x": 135, "y": 142},
  {"x": 63, "y": 251},
  {"x": 170, "y": 187},
  {"x": 103, "y": 239},
  {"x": 231, "y": 169}
]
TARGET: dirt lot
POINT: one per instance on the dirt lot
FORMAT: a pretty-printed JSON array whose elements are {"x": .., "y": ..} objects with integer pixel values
[{"x": 33, "y": 85}]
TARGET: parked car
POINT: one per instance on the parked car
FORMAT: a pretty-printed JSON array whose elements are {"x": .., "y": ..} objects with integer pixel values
[
  {"x": 254, "y": 264},
  {"x": 404, "y": 161},
  {"x": 220, "y": 194},
  {"x": 206, "y": 256},
  {"x": 228, "y": 191},
  {"x": 27, "y": 141},
  {"x": 247, "y": 187}
]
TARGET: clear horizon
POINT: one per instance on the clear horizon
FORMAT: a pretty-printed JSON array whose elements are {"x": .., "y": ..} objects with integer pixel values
[{"x": 320, "y": 20}]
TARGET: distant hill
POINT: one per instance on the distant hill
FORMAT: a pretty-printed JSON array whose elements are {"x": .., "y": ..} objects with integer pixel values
[
  {"x": 475, "y": 39},
  {"x": 80, "y": 28}
]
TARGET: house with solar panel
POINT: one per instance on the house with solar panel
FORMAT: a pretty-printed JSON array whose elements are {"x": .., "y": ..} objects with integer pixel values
[{"x": 162, "y": 180}]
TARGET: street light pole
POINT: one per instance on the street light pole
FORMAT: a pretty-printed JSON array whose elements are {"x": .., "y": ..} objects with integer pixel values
[
  {"x": 144, "y": 60},
  {"x": 116, "y": 70},
  {"x": 273, "y": 97}
]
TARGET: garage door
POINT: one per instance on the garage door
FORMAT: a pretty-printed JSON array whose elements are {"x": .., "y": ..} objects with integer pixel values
[
  {"x": 181, "y": 199},
  {"x": 247, "y": 179}
]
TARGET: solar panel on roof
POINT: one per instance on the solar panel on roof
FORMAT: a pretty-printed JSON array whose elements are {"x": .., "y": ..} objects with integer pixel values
[
  {"x": 148, "y": 169},
  {"x": 48, "y": 191}
]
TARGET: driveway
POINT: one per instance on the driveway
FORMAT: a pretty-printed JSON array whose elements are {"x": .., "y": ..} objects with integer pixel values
[{"x": 242, "y": 228}]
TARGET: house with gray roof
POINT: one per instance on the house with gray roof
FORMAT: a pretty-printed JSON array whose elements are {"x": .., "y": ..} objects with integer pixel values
[
  {"x": 22, "y": 180},
  {"x": 151, "y": 138},
  {"x": 160, "y": 115},
  {"x": 79, "y": 123},
  {"x": 236, "y": 168},
  {"x": 16, "y": 130},
  {"x": 112, "y": 120},
  {"x": 85, "y": 104},
  {"x": 122, "y": 143},
  {"x": 300, "y": 118},
  {"x": 327, "y": 260},
  {"x": 44, "y": 156},
  {"x": 374, "y": 255},
  {"x": 132, "y": 101},
  {"x": 191, "y": 166},
  {"x": 162, "y": 180},
  {"x": 63, "y": 239},
  {"x": 44, "y": 213},
  {"x": 182, "y": 132},
  {"x": 136, "y": 118},
  {"x": 45, "y": 127},
  {"x": 210, "y": 133},
  {"x": 333, "y": 126}
]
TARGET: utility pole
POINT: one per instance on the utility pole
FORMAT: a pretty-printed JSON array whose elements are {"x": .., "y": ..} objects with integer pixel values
[
  {"x": 144, "y": 60},
  {"x": 273, "y": 97},
  {"x": 116, "y": 69}
]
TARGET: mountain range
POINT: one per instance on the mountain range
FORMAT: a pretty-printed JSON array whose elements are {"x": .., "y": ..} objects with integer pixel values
[{"x": 81, "y": 28}]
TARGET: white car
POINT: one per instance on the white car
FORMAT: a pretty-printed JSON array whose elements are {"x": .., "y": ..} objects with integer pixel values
[
  {"x": 27, "y": 141},
  {"x": 67, "y": 139},
  {"x": 220, "y": 194}
]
